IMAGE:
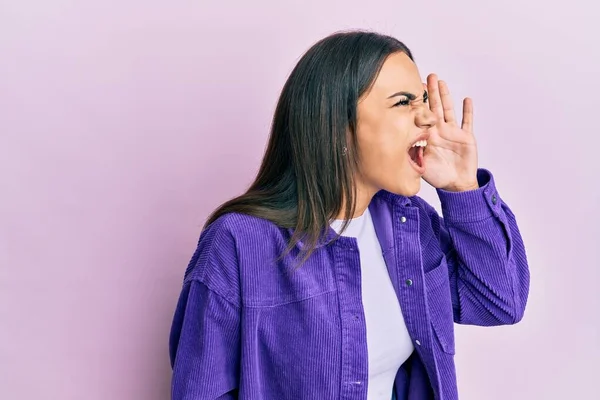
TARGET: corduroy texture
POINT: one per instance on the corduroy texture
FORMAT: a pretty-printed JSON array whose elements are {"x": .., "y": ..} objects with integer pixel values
[{"x": 247, "y": 327}]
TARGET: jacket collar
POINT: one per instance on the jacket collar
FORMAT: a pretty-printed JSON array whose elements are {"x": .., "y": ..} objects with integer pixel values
[{"x": 382, "y": 211}]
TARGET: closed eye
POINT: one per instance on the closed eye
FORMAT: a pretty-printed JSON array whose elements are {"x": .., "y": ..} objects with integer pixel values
[
  {"x": 402, "y": 102},
  {"x": 406, "y": 98}
]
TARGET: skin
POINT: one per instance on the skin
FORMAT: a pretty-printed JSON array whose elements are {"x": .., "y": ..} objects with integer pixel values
[{"x": 388, "y": 125}]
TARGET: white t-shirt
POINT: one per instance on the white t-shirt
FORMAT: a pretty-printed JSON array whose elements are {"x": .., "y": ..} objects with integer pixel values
[{"x": 388, "y": 341}]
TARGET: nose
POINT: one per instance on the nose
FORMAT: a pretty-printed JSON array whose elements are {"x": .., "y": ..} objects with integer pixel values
[{"x": 425, "y": 118}]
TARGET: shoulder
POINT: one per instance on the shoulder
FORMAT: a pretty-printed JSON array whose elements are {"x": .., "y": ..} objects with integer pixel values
[
  {"x": 225, "y": 244},
  {"x": 428, "y": 217},
  {"x": 392, "y": 200},
  {"x": 427, "y": 212},
  {"x": 238, "y": 233}
]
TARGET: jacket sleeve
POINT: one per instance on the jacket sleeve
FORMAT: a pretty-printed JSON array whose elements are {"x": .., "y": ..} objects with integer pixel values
[
  {"x": 485, "y": 253},
  {"x": 204, "y": 342}
]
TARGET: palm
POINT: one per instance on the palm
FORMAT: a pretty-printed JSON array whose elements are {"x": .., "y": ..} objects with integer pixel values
[{"x": 451, "y": 153}]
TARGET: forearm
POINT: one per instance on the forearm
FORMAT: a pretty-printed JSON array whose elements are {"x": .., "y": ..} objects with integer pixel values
[{"x": 486, "y": 253}]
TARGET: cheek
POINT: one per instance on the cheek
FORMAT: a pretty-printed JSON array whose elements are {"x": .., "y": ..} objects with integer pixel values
[
  {"x": 385, "y": 142},
  {"x": 383, "y": 155}
]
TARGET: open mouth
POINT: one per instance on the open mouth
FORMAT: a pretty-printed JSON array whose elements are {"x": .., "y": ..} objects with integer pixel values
[{"x": 416, "y": 153}]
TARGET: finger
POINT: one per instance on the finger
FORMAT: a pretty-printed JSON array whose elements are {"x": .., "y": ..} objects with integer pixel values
[
  {"x": 435, "y": 102},
  {"x": 447, "y": 104},
  {"x": 467, "y": 119}
]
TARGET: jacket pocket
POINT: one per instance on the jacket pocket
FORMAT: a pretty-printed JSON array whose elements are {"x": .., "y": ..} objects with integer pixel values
[{"x": 439, "y": 301}]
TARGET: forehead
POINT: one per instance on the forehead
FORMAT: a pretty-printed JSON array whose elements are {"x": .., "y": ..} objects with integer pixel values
[{"x": 398, "y": 73}]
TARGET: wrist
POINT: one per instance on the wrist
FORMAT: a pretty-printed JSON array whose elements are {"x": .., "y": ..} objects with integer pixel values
[{"x": 462, "y": 187}]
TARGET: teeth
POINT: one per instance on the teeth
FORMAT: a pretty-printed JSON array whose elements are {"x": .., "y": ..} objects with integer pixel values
[{"x": 420, "y": 143}]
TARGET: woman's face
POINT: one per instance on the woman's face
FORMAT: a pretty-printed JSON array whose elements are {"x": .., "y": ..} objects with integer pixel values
[{"x": 392, "y": 117}]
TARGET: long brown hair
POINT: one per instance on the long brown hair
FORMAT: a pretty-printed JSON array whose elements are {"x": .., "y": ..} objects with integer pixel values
[{"x": 307, "y": 172}]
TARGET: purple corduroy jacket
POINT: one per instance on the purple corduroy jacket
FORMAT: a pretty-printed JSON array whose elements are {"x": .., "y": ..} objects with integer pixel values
[{"x": 248, "y": 326}]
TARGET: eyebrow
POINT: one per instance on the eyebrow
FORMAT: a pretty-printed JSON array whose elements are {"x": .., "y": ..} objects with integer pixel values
[{"x": 410, "y": 96}]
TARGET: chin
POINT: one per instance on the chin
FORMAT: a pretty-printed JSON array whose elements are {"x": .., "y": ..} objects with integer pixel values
[{"x": 407, "y": 189}]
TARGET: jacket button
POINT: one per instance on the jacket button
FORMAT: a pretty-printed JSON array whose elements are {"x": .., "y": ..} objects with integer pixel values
[
  {"x": 403, "y": 219},
  {"x": 409, "y": 282}
]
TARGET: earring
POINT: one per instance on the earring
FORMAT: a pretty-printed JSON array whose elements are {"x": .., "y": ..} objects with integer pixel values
[{"x": 345, "y": 151}]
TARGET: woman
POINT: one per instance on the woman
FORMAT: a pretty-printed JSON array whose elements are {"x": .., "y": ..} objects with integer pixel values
[{"x": 330, "y": 278}]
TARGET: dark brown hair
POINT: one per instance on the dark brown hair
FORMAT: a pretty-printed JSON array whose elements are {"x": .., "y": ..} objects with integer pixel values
[{"x": 307, "y": 172}]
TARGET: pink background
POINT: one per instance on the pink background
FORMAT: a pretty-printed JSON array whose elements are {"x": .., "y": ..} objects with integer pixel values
[{"x": 122, "y": 125}]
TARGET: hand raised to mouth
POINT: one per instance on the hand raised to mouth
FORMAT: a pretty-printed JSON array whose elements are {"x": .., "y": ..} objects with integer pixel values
[{"x": 451, "y": 152}]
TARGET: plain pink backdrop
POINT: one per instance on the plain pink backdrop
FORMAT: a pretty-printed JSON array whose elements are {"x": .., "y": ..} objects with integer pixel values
[{"x": 122, "y": 124}]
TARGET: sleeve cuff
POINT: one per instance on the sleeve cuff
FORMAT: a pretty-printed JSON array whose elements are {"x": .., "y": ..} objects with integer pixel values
[{"x": 472, "y": 205}]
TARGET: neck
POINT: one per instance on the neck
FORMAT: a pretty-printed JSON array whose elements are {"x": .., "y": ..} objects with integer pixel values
[{"x": 364, "y": 196}]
